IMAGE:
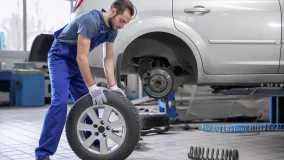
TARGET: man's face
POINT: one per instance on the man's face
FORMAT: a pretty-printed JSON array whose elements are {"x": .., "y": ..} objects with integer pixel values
[{"x": 118, "y": 21}]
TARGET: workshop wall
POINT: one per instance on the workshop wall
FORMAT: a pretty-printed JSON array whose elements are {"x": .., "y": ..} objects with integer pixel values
[{"x": 23, "y": 20}]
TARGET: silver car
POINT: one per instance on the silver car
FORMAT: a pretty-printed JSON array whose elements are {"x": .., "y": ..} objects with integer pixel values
[{"x": 224, "y": 44}]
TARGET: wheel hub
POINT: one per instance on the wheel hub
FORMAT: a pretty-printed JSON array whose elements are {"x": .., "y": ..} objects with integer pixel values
[
  {"x": 101, "y": 129},
  {"x": 158, "y": 82}
]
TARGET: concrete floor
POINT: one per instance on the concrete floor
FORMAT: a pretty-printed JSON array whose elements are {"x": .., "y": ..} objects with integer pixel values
[{"x": 20, "y": 130}]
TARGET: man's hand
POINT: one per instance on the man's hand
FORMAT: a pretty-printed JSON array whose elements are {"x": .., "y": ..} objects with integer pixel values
[
  {"x": 98, "y": 95},
  {"x": 116, "y": 89}
]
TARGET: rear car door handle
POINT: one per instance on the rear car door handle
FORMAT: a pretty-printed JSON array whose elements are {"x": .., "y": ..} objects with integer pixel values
[{"x": 197, "y": 9}]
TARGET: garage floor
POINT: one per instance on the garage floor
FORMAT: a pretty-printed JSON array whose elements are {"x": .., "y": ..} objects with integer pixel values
[{"x": 20, "y": 130}]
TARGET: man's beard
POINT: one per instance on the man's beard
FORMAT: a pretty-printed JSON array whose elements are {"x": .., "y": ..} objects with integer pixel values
[{"x": 111, "y": 22}]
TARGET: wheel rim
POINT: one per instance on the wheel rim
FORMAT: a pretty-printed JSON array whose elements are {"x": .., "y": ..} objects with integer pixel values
[{"x": 101, "y": 129}]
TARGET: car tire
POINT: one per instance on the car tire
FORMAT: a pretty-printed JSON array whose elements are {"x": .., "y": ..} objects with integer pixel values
[
  {"x": 119, "y": 104},
  {"x": 151, "y": 120},
  {"x": 117, "y": 70}
]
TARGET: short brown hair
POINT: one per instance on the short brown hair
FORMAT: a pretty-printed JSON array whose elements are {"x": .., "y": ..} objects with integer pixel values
[{"x": 122, "y": 5}]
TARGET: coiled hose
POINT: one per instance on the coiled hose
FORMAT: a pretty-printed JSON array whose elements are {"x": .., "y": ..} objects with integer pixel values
[
  {"x": 243, "y": 128},
  {"x": 197, "y": 153}
]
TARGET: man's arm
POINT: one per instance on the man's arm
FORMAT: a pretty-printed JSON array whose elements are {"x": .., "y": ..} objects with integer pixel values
[
  {"x": 82, "y": 59},
  {"x": 109, "y": 64}
]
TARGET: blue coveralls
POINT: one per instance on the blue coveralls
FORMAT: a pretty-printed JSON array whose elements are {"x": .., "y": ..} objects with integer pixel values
[{"x": 65, "y": 77}]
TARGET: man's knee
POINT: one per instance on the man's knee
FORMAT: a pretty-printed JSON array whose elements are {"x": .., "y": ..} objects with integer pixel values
[{"x": 58, "y": 106}]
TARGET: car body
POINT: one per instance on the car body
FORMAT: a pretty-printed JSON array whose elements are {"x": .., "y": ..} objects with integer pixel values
[{"x": 201, "y": 42}]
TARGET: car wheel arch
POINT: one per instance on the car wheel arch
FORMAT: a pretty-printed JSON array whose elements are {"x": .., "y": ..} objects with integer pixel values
[{"x": 174, "y": 49}]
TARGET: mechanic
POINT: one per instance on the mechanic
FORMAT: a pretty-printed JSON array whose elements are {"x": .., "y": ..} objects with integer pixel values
[{"x": 69, "y": 68}]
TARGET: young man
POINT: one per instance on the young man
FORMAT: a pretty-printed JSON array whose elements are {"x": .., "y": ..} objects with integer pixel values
[{"x": 69, "y": 68}]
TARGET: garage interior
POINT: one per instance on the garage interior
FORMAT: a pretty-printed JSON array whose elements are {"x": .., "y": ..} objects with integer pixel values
[{"x": 177, "y": 126}]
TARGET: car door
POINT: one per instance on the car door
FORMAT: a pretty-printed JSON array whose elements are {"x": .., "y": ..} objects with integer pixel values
[{"x": 232, "y": 36}]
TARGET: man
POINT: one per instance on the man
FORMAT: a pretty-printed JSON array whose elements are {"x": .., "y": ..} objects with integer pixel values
[{"x": 69, "y": 68}]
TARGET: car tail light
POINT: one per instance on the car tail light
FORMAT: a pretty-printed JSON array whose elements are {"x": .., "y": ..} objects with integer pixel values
[{"x": 77, "y": 5}]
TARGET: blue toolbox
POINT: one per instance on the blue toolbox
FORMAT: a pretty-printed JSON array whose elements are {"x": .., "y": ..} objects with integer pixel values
[{"x": 26, "y": 87}]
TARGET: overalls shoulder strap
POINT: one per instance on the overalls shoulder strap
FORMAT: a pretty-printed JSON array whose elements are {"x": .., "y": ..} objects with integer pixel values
[{"x": 100, "y": 36}]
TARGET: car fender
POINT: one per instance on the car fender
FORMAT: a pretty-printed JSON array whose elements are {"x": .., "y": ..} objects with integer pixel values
[{"x": 195, "y": 38}]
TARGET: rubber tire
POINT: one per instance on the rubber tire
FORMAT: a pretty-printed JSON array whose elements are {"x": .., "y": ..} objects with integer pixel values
[
  {"x": 151, "y": 120},
  {"x": 130, "y": 115},
  {"x": 117, "y": 70},
  {"x": 102, "y": 84}
]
